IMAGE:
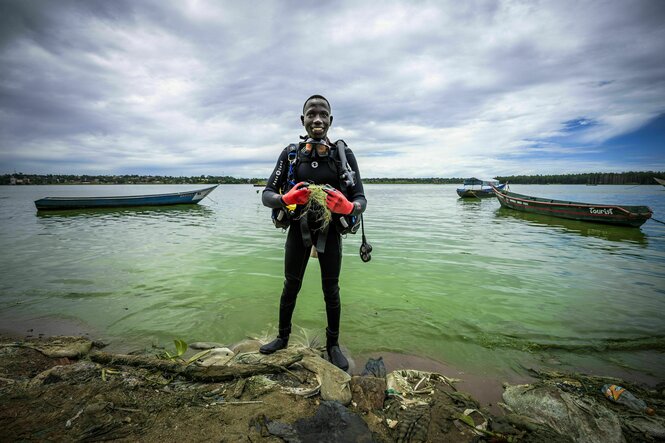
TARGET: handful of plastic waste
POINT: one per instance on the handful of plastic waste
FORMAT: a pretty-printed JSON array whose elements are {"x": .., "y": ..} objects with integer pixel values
[{"x": 617, "y": 394}]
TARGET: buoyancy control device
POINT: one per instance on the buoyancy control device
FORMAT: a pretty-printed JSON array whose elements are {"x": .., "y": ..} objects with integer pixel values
[{"x": 346, "y": 224}]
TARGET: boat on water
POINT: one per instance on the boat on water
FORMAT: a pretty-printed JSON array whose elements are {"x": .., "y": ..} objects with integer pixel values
[
  {"x": 477, "y": 188},
  {"x": 174, "y": 198},
  {"x": 660, "y": 181},
  {"x": 621, "y": 215}
]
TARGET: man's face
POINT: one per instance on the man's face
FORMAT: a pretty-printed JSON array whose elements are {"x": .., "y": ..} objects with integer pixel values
[{"x": 316, "y": 118}]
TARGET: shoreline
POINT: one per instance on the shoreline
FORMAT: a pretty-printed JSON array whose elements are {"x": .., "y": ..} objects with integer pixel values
[
  {"x": 68, "y": 388},
  {"x": 486, "y": 387}
]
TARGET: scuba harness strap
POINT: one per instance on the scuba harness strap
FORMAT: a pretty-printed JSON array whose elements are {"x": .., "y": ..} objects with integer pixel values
[
  {"x": 291, "y": 156},
  {"x": 307, "y": 236},
  {"x": 280, "y": 216}
]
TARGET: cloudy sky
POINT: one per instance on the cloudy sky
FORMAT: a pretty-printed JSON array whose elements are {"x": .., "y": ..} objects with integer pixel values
[{"x": 418, "y": 88}]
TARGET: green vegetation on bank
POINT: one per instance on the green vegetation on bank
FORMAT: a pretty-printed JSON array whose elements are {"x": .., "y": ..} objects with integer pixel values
[
  {"x": 593, "y": 178},
  {"x": 62, "y": 179},
  {"x": 413, "y": 181}
]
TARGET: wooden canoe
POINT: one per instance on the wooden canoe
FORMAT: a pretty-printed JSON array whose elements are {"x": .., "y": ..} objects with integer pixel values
[
  {"x": 634, "y": 216},
  {"x": 175, "y": 198}
]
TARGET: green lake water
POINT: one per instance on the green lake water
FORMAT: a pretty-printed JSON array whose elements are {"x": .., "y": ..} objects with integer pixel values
[{"x": 466, "y": 283}]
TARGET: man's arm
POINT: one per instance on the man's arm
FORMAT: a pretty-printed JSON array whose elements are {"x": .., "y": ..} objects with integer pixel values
[{"x": 271, "y": 196}]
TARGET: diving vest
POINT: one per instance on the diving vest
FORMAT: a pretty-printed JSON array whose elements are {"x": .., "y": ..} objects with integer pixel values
[{"x": 281, "y": 217}]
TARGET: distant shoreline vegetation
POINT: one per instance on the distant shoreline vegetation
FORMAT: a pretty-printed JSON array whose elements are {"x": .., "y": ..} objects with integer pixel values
[{"x": 593, "y": 178}]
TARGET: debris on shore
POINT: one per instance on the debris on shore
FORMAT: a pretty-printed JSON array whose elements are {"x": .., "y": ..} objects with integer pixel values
[{"x": 67, "y": 388}]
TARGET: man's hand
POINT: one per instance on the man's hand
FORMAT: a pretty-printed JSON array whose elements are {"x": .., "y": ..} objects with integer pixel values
[
  {"x": 337, "y": 202},
  {"x": 298, "y": 195}
]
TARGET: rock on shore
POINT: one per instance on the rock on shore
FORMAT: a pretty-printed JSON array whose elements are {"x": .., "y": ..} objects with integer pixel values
[{"x": 65, "y": 388}]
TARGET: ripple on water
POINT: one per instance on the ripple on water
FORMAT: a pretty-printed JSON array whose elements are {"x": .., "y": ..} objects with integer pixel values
[{"x": 454, "y": 279}]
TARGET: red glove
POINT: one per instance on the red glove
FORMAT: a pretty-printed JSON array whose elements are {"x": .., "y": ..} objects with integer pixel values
[
  {"x": 337, "y": 202},
  {"x": 298, "y": 195}
]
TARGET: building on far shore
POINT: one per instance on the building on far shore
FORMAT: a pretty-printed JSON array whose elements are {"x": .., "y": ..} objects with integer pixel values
[{"x": 18, "y": 181}]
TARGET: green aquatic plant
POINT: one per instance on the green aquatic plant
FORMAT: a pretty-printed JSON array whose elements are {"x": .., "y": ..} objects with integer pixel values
[
  {"x": 316, "y": 205},
  {"x": 180, "y": 348}
]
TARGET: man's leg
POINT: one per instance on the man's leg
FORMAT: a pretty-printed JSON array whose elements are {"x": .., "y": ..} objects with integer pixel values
[
  {"x": 295, "y": 263},
  {"x": 331, "y": 265}
]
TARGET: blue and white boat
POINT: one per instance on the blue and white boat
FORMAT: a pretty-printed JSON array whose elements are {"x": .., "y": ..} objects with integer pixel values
[
  {"x": 175, "y": 198},
  {"x": 478, "y": 188}
]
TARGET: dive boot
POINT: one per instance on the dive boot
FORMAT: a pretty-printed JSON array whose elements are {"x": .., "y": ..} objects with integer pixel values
[
  {"x": 337, "y": 358},
  {"x": 275, "y": 345},
  {"x": 334, "y": 352}
]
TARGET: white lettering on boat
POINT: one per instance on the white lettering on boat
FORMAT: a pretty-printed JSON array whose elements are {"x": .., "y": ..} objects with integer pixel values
[{"x": 606, "y": 211}]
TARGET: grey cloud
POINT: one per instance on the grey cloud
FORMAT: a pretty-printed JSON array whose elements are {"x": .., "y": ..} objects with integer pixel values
[{"x": 90, "y": 74}]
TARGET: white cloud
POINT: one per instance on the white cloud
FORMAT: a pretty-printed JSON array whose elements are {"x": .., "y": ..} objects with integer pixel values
[{"x": 417, "y": 88}]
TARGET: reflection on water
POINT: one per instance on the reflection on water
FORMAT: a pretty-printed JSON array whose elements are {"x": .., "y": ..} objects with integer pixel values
[
  {"x": 474, "y": 206},
  {"x": 192, "y": 210},
  {"x": 471, "y": 202},
  {"x": 586, "y": 229}
]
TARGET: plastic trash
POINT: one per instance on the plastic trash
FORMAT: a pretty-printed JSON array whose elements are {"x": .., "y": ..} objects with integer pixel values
[
  {"x": 375, "y": 368},
  {"x": 623, "y": 396}
]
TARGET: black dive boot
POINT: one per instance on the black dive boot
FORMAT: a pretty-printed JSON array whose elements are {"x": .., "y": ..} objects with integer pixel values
[
  {"x": 275, "y": 345},
  {"x": 334, "y": 352},
  {"x": 281, "y": 342}
]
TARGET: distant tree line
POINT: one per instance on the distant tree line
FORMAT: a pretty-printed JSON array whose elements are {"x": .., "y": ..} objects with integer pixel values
[
  {"x": 412, "y": 181},
  {"x": 593, "y": 178},
  {"x": 63, "y": 179}
]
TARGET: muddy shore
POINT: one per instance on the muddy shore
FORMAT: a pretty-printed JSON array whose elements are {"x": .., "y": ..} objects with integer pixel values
[
  {"x": 84, "y": 393},
  {"x": 486, "y": 388}
]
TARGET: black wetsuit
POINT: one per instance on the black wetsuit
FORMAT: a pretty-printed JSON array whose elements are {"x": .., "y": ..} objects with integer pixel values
[{"x": 319, "y": 170}]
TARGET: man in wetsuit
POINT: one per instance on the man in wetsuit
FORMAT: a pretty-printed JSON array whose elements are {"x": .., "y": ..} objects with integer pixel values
[{"x": 314, "y": 162}]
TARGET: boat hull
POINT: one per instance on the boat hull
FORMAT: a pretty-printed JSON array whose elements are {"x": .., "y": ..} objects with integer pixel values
[
  {"x": 477, "y": 193},
  {"x": 634, "y": 216},
  {"x": 176, "y": 198}
]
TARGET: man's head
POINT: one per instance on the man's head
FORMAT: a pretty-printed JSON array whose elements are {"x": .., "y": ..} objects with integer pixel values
[{"x": 316, "y": 116}]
